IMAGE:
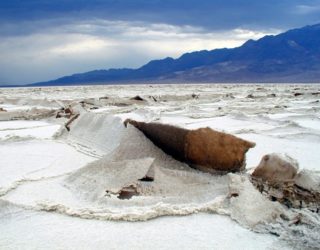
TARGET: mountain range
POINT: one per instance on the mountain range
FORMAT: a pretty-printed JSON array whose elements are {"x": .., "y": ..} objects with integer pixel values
[{"x": 290, "y": 57}]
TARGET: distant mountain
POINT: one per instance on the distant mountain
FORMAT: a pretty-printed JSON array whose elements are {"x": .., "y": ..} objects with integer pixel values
[{"x": 293, "y": 56}]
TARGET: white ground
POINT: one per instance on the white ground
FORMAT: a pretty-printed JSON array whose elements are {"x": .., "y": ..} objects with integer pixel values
[{"x": 32, "y": 161}]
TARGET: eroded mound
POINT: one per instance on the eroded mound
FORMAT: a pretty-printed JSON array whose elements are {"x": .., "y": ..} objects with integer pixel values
[{"x": 205, "y": 149}]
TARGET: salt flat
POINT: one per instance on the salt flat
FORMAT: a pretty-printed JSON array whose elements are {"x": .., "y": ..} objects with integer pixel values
[{"x": 44, "y": 205}]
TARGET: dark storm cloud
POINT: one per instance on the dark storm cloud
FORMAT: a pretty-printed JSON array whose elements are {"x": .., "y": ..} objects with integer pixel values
[{"x": 211, "y": 14}]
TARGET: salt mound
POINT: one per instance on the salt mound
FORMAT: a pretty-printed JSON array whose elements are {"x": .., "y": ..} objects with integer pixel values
[
  {"x": 25, "y": 101},
  {"x": 93, "y": 181},
  {"x": 29, "y": 114},
  {"x": 175, "y": 184},
  {"x": 189, "y": 187},
  {"x": 308, "y": 180},
  {"x": 176, "y": 190},
  {"x": 96, "y": 134},
  {"x": 137, "y": 157},
  {"x": 248, "y": 206}
]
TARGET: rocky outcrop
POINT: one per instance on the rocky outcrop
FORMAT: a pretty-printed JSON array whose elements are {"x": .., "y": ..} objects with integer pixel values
[
  {"x": 278, "y": 178},
  {"x": 204, "y": 149},
  {"x": 276, "y": 168}
]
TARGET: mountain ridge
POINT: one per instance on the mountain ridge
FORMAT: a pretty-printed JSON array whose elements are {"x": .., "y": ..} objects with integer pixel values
[{"x": 292, "y": 56}]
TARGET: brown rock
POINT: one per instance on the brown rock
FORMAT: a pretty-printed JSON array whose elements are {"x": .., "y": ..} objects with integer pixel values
[
  {"x": 204, "y": 149},
  {"x": 276, "y": 168},
  {"x": 277, "y": 178}
]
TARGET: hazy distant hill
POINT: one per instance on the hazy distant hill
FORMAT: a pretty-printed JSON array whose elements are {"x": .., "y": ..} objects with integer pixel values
[{"x": 293, "y": 56}]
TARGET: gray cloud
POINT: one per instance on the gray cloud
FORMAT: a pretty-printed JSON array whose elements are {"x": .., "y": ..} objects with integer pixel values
[
  {"x": 211, "y": 14},
  {"x": 307, "y": 9},
  {"x": 94, "y": 44}
]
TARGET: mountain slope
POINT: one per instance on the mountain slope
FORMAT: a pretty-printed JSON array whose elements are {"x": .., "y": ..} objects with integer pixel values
[{"x": 293, "y": 56}]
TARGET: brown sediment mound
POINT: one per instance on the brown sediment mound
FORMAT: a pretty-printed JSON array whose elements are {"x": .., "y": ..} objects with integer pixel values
[
  {"x": 212, "y": 149},
  {"x": 278, "y": 178},
  {"x": 169, "y": 138},
  {"x": 204, "y": 149}
]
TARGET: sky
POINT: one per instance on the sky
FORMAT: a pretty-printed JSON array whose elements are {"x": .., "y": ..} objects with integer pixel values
[{"x": 45, "y": 39}]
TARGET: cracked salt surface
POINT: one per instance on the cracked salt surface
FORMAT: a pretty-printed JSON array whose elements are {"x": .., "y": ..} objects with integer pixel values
[{"x": 49, "y": 186}]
